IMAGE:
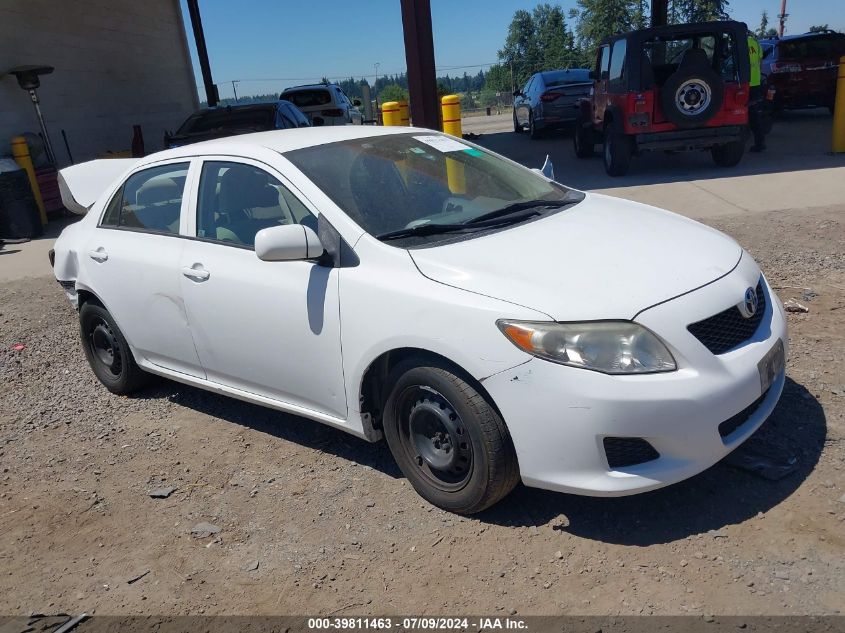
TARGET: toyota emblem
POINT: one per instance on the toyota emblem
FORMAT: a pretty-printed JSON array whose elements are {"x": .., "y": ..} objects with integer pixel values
[{"x": 748, "y": 307}]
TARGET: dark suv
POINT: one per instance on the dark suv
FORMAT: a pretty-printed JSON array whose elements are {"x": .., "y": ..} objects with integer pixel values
[
  {"x": 675, "y": 88},
  {"x": 802, "y": 69}
]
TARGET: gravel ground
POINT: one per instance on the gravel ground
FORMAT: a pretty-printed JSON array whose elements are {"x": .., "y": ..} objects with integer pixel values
[{"x": 311, "y": 520}]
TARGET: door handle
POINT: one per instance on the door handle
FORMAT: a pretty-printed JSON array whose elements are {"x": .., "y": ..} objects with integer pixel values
[
  {"x": 197, "y": 274},
  {"x": 98, "y": 255}
]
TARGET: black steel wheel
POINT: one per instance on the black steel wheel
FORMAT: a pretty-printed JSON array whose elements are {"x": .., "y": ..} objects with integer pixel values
[
  {"x": 108, "y": 352},
  {"x": 447, "y": 439},
  {"x": 618, "y": 148}
]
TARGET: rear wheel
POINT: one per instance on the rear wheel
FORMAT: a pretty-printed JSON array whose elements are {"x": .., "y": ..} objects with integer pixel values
[
  {"x": 618, "y": 148},
  {"x": 584, "y": 140},
  {"x": 728, "y": 155},
  {"x": 447, "y": 439},
  {"x": 108, "y": 352},
  {"x": 533, "y": 132}
]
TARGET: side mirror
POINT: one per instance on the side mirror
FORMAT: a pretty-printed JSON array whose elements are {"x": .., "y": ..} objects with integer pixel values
[
  {"x": 517, "y": 93},
  {"x": 289, "y": 242},
  {"x": 356, "y": 102}
]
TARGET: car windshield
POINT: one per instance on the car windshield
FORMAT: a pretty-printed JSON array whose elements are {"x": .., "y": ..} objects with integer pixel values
[
  {"x": 251, "y": 120},
  {"x": 566, "y": 77},
  {"x": 400, "y": 181},
  {"x": 307, "y": 98}
]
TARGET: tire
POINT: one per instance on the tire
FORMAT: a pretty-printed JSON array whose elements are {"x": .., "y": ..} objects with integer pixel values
[
  {"x": 516, "y": 126},
  {"x": 108, "y": 352},
  {"x": 618, "y": 148},
  {"x": 694, "y": 85},
  {"x": 533, "y": 132},
  {"x": 584, "y": 139},
  {"x": 728, "y": 155},
  {"x": 447, "y": 439}
]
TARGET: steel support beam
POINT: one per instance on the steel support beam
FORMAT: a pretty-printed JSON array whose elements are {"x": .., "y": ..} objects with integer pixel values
[
  {"x": 211, "y": 95},
  {"x": 419, "y": 56},
  {"x": 659, "y": 12}
]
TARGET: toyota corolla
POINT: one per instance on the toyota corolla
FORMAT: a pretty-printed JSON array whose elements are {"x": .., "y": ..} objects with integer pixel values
[{"x": 490, "y": 323}]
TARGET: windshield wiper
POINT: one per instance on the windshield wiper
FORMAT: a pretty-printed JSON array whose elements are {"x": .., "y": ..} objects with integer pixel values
[
  {"x": 523, "y": 206},
  {"x": 473, "y": 225}
]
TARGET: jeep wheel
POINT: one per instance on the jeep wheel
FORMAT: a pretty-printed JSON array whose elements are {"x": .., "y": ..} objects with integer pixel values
[
  {"x": 692, "y": 95},
  {"x": 584, "y": 140},
  {"x": 618, "y": 148},
  {"x": 728, "y": 155}
]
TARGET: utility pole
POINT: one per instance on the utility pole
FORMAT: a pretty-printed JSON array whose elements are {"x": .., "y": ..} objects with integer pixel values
[
  {"x": 375, "y": 81},
  {"x": 782, "y": 17},
  {"x": 234, "y": 89}
]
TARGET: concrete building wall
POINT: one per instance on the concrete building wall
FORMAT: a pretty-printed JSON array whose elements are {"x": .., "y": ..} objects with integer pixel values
[{"x": 117, "y": 63}]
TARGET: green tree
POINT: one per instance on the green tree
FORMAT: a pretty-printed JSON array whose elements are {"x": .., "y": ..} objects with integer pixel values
[
  {"x": 699, "y": 10},
  {"x": 498, "y": 79},
  {"x": 819, "y": 28},
  {"x": 598, "y": 19},
  {"x": 764, "y": 31},
  {"x": 538, "y": 40},
  {"x": 393, "y": 92}
]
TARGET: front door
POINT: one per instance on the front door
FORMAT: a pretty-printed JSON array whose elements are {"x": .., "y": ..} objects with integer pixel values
[
  {"x": 132, "y": 263},
  {"x": 268, "y": 328}
]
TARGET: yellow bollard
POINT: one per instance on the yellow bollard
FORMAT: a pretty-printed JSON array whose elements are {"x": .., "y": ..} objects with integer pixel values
[
  {"x": 404, "y": 119},
  {"x": 20, "y": 152},
  {"x": 390, "y": 113},
  {"x": 451, "y": 112},
  {"x": 839, "y": 110},
  {"x": 451, "y": 106}
]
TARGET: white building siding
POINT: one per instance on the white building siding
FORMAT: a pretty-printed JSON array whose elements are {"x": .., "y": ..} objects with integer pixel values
[{"x": 117, "y": 63}]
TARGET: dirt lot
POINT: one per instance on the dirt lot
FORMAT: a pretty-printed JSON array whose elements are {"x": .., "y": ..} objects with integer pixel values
[{"x": 314, "y": 521}]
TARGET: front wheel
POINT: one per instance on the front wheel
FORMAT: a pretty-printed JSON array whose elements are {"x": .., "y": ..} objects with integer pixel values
[
  {"x": 728, "y": 155},
  {"x": 618, "y": 148},
  {"x": 447, "y": 439},
  {"x": 584, "y": 140},
  {"x": 517, "y": 126},
  {"x": 108, "y": 352}
]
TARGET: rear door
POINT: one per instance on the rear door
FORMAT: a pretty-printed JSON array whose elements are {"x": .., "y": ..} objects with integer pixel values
[{"x": 132, "y": 265}]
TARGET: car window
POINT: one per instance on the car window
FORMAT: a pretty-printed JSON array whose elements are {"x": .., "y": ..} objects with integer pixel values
[
  {"x": 284, "y": 118},
  {"x": 237, "y": 200},
  {"x": 149, "y": 200},
  {"x": 604, "y": 61},
  {"x": 617, "y": 62},
  {"x": 816, "y": 46},
  {"x": 306, "y": 98},
  {"x": 229, "y": 119},
  {"x": 566, "y": 77},
  {"x": 528, "y": 85}
]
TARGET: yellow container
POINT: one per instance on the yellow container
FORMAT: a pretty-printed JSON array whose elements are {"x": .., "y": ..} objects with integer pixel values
[
  {"x": 403, "y": 114},
  {"x": 451, "y": 107},
  {"x": 839, "y": 110},
  {"x": 390, "y": 114},
  {"x": 20, "y": 152}
]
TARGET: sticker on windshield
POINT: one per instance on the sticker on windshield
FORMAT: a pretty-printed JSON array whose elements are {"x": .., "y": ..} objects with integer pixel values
[{"x": 442, "y": 143}]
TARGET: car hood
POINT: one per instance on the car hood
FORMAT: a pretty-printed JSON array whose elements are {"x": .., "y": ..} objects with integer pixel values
[{"x": 603, "y": 258}]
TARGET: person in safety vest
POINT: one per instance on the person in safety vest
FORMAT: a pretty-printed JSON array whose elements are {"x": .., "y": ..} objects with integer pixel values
[{"x": 756, "y": 97}]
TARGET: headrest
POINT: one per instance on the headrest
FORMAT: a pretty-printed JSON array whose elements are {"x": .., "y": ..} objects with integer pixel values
[{"x": 158, "y": 190}]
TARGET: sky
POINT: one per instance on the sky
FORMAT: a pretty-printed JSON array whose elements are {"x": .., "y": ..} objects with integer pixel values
[{"x": 267, "y": 45}]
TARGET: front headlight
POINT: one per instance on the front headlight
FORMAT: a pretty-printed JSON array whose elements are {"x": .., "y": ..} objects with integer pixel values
[{"x": 612, "y": 347}]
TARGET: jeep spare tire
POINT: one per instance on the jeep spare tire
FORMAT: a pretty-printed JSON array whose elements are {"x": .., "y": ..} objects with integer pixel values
[{"x": 692, "y": 95}]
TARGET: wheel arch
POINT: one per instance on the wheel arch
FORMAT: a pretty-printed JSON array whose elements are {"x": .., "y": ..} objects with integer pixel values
[{"x": 373, "y": 387}]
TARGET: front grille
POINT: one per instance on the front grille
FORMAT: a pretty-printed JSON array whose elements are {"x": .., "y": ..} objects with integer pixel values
[
  {"x": 628, "y": 451},
  {"x": 734, "y": 422},
  {"x": 724, "y": 331}
]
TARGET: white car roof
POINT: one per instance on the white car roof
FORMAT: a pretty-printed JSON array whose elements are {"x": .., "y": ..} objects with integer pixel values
[{"x": 282, "y": 140}]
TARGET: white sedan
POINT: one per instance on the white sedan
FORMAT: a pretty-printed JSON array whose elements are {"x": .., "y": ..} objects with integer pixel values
[{"x": 493, "y": 325}]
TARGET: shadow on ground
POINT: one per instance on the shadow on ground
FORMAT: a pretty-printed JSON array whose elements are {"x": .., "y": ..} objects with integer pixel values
[
  {"x": 722, "y": 495},
  {"x": 800, "y": 140}
]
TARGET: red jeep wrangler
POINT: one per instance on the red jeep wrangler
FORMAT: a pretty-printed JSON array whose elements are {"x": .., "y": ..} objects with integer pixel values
[{"x": 675, "y": 88}]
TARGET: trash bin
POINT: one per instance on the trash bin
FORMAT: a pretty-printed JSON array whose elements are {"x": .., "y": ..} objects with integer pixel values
[{"x": 19, "y": 216}]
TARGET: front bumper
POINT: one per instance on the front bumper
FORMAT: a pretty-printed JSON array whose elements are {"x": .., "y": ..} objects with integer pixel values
[{"x": 559, "y": 416}]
